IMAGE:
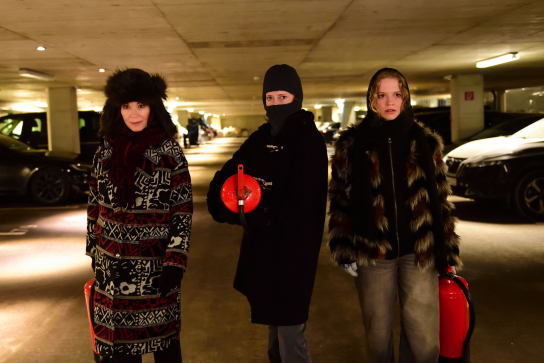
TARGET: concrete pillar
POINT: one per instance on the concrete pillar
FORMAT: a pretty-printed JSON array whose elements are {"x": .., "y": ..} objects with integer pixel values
[
  {"x": 326, "y": 114},
  {"x": 467, "y": 105},
  {"x": 62, "y": 120},
  {"x": 348, "y": 115},
  {"x": 318, "y": 115},
  {"x": 500, "y": 100}
]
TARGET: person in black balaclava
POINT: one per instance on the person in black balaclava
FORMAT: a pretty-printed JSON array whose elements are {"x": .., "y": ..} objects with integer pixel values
[
  {"x": 279, "y": 252},
  {"x": 390, "y": 224}
]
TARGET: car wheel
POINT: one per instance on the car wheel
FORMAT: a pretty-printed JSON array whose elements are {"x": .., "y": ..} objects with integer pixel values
[
  {"x": 529, "y": 195},
  {"x": 50, "y": 186}
]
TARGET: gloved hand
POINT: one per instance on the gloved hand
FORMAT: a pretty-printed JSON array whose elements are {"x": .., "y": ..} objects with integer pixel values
[
  {"x": 350, "y": 268},
  {"x": 171, "y": 276}
]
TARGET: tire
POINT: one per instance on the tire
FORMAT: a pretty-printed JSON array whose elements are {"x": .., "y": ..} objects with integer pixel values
[
  {"x": 529, "y": 195},
  {"x": 50, "y": 186}
]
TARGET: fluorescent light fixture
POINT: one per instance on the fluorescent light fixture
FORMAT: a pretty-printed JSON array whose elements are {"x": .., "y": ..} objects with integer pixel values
[
  {"x": 97, "y": 109},
  {"x": 40, "y": 48},
  {"x": 190, "y": 110},
  {"x": 215, "y": 115},
  {"x": 413, "y": 103},
  {"x": 498, "y": 60},
  {"x": 40, "y": 104},
  {"x": 177, "y": 98},
  {"x": 30, "y": 73},
  {"x": 356, "y": 109},
  {"x": 201, "y": 112},
  {"x": 224, "y": 115},
  {"x": 101, "y": 70},
  {"x": 317, "y": 107}
]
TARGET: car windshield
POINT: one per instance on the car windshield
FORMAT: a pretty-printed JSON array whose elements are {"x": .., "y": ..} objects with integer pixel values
[
  {"x": 505, "y": 128},
  {"x": 535, "y": 130},
  {"x": 13, "y": 144}
]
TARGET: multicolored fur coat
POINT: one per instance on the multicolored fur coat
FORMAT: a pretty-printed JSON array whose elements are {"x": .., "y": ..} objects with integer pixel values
[{"x": 434, "y": 237}]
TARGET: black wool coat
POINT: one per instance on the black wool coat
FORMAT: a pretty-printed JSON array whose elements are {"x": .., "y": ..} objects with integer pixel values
[{"x": 278, "y": 257}]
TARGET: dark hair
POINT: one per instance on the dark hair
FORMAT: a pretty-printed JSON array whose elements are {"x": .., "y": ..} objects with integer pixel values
[{"x": 110, "y": 125}]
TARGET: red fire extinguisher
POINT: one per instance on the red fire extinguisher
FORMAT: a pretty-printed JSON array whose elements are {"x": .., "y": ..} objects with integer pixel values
[
  {"x": 241, "y": 194},
  {"x": 457, "y": 318},
  {"x": 87, "y": 290}
]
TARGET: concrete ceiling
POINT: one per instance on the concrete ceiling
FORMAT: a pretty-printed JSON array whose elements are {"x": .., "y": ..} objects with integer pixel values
[{"x": 212, "y": 51}]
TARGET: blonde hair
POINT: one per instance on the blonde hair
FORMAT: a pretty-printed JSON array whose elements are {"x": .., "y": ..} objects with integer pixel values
[{"x": 374, "y": 88}]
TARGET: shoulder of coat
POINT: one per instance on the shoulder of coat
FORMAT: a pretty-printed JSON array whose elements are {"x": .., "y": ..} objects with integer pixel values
[
  {"x": 345, "y": 142},
  {"x": 435, "y": 140}
]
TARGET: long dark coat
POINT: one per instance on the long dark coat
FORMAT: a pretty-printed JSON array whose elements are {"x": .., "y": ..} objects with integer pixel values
[
  {"x": 130, "y": 246},
  {"x": 278, "y": 258}
]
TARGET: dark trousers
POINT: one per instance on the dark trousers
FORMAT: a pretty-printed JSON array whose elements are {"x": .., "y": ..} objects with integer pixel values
[{"x": 172, "y": 354}]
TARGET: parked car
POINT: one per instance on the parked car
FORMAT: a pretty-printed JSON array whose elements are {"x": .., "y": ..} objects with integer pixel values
[
  {"x": 509, "y": 169},
  {"x": 440, "y": 121},
  {"x": 49, "y": 177},
  {"x": 31, "y": 129},
  {"x": 502, "y": 129},
  {"x": 328, "y": 131}
]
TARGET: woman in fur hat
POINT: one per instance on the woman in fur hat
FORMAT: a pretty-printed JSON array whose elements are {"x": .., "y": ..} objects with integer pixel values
[
  {"x": 278, "y": 256},
  {"x": 139, "y": 222},
  {"x": 390, "y": 223}
]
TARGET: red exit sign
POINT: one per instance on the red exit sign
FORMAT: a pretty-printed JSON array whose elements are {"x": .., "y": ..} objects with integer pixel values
[{"x": 469, "y": 96}]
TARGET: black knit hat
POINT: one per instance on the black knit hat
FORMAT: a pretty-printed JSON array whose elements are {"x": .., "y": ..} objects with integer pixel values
[
  {"x": 135, "y": 85},
  {"x": 282, "y": 77}
]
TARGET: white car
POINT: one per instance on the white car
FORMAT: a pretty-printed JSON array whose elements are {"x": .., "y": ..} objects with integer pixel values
[{"x": 507, "y": 168}]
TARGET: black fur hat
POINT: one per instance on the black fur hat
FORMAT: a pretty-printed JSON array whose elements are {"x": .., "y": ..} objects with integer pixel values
[{"x": 135, "y": 85}]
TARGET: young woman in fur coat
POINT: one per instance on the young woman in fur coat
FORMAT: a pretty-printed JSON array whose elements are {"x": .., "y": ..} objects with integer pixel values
[
  {"x": 278, "y": 257},
  {"x": 390, "y": 223},
  {"x": 139, "y": 223}
]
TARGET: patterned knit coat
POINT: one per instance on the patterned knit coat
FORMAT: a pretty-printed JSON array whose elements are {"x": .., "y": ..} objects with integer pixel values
[
  {"x": 131, "y": 245},
  {"x": 435, "y": 237}
]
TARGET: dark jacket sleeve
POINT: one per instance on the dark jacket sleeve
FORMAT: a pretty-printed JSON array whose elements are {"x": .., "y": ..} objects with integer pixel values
[{"x": 341, "y": 227}]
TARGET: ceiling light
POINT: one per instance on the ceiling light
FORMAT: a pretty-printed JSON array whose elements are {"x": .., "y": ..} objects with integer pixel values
[
  {"x": 340, "y": 103},
  {"x": 101, "y": 70},
  {"x": 448, "y": 77},
  {"x": 177, "y": 98},
  {"x": 256, "y": 78},
  {"x": 190, "y": 110},
  {"x": 356, "y": 109},
  {"x": 30, "y": 73},
  {"x": 224, "y": 114},
  {"x": 215, "y": 115},
  {"x": 40, "y": 48},
  {"x": 201, "y": 112},
  {"x": 498, "y": 60},
  {"x": 97, "y": 109},
  {"x": 317, "y": 107}
]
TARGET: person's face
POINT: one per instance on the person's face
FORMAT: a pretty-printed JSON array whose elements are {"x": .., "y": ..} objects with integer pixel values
[
  {"x": 389, "y": 99},
  {"x": 278, "y": 98},
  {"x": 135, "y": 115}
]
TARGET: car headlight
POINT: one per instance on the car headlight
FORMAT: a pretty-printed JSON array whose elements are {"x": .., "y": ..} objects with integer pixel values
[{"x": 481, "y": 164}]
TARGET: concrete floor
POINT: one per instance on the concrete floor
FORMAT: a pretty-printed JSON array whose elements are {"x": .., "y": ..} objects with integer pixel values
[{"x": 43, "y": 269}]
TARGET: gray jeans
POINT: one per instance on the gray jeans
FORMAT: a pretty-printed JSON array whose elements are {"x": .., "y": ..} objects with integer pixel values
[
  {"x": 287, "y": 344},
  {"x": 377, "y": 285}
]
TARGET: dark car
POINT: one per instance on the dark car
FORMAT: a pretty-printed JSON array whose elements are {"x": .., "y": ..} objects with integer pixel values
[
  {"x": 440, "y": 121},
  {"x": 509, "y": 169},
  {"x": 503, "y": 129},
  {"x": 49, "y": 177},
  {"x": 329, "y": 130},
  {"x": 31, "y": 129}
]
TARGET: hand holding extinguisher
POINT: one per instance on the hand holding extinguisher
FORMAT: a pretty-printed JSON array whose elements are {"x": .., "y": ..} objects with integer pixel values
[
  {"x": 241, "y": 194},
  {"x": 457, "y": 318}
]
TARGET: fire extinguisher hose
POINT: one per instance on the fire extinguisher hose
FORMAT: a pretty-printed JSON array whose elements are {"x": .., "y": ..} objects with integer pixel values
[
  {"x": 242, "y": 215},
  {"x": 472, "y": 320}
]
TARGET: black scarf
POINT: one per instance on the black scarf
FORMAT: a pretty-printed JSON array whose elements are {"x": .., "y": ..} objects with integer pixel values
[
  {"x": 277, "y": 114},
  {"x": 127, "y": 148}
]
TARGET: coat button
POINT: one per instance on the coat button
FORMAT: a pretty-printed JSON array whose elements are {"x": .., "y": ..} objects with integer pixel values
[{"x": 117, "y": 255}]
